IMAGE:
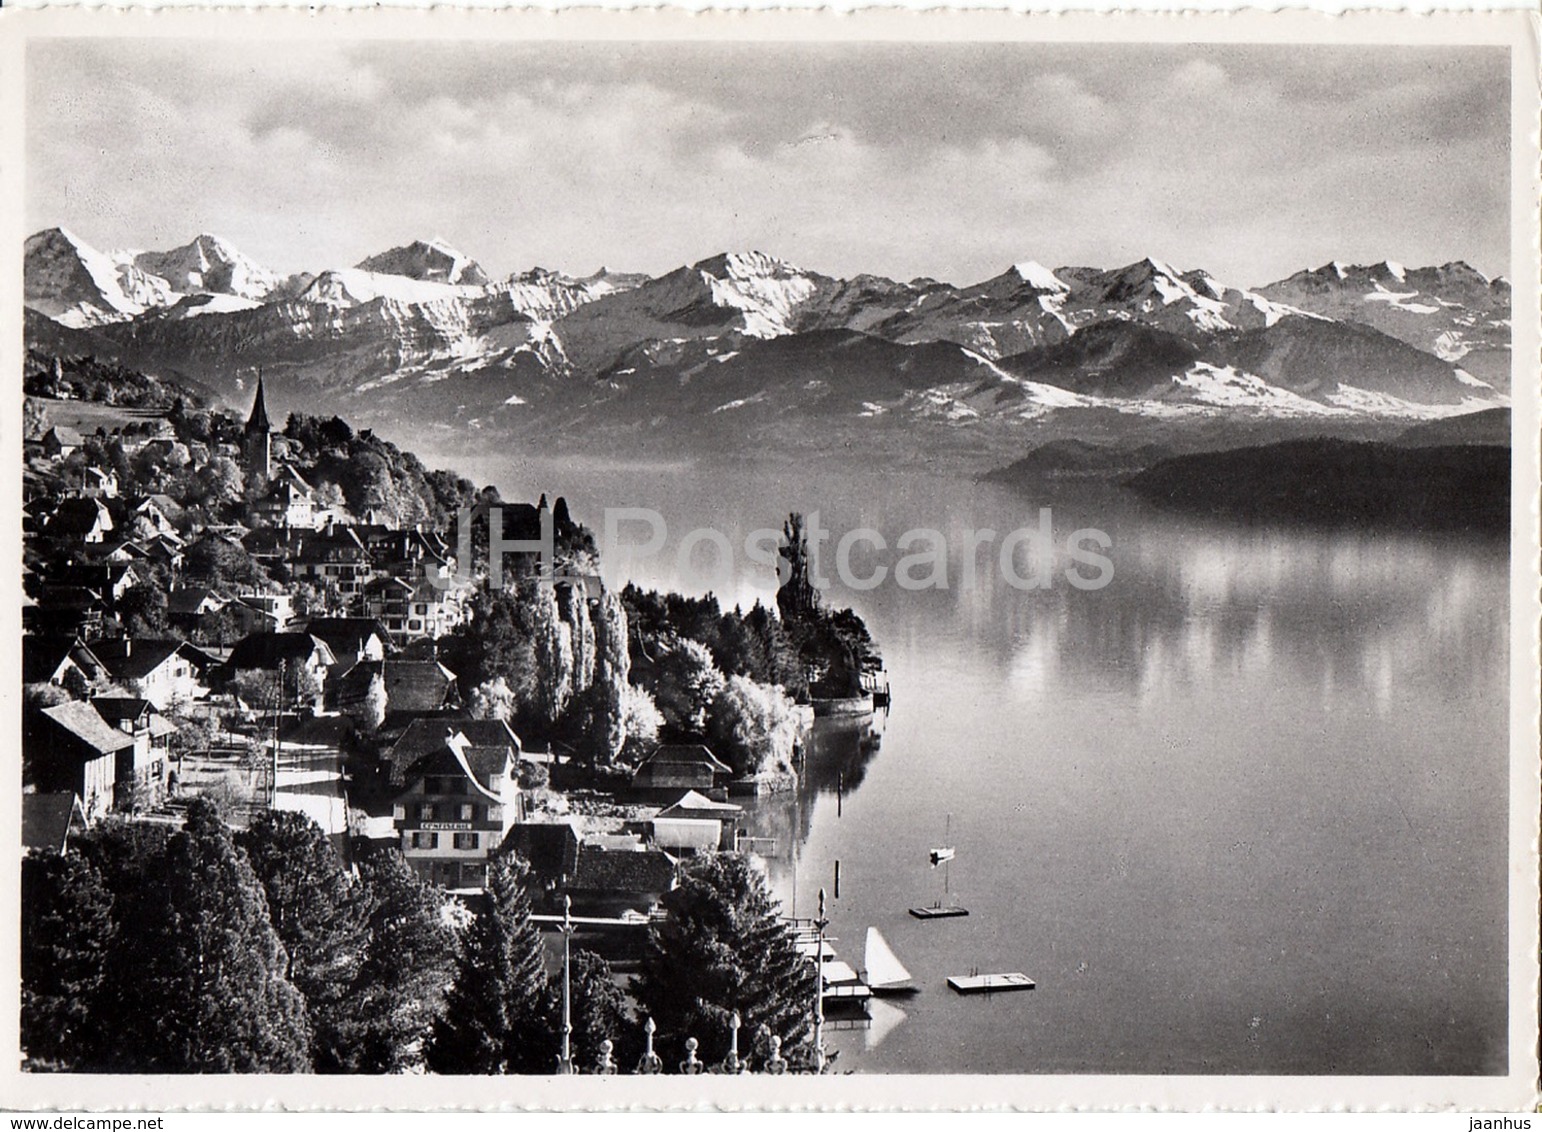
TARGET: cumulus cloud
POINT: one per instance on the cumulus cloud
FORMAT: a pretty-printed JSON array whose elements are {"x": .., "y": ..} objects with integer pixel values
[{"x": 944, "y": 160}]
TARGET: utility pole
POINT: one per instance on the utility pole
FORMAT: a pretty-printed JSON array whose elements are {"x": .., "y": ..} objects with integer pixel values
[
  {"x": 278, "y": 715},
  {"x": 565, "y": 1058},
  {"x": 820, "y": 923}
]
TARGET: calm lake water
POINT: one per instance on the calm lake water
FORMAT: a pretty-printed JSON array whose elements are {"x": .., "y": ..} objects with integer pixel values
[{"x": 1240, "y": 811}]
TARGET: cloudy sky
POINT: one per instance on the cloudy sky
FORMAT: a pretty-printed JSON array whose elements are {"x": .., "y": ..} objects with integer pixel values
[{"x": 950, "y": 161}]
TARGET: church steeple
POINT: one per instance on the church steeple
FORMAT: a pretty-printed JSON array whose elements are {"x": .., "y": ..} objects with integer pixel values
[
  {"x": 258, "y": 446},
  {"x": 258, "y": 421}
]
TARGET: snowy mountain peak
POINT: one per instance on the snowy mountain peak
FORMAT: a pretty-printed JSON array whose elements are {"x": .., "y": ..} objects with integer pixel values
[
  {"x": 208, "y": 264},
  {"x": 1036, "y": 275},
  {"x": 1395, "y": 269},
  {"x": 428, "y": 261},
  {"x": 746, "y": 265}
]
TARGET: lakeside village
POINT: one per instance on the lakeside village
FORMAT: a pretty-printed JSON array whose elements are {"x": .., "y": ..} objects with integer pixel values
[{"x": 302, "y": 793}]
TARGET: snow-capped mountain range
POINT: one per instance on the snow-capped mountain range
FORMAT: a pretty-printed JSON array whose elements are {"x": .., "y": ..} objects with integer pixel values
[{"x": 423, "y": 332}]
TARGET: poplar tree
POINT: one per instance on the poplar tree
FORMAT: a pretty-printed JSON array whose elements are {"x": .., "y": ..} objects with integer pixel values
[
  {"x": 554, "y": 653},
  {"x": 720, "y": 948},
  {"x": 605, "y": 732},
  {"x": 497, "y": 1015}
]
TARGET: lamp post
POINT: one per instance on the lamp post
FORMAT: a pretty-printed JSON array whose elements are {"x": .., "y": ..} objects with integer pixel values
[
  {"x": 820, "y": 923},
  {"x": 565, "y": 1059}
]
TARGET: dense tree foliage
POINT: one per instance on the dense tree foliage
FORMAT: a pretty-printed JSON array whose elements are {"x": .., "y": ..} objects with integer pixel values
[
  {"x": 221, "y": 564},
  {"x": 320, "y": 915},
  {"x": 88, "y": 379},
  {"x": 754, "y": 643},
  {"x": 498, "y": 1015},
  {"x": 212, "y": 996},
  {"x": 67, "y": 933},
  {"x": 722, "y": 948},
  {"x": 408, "y": 961},
  {"x": 683, "y": 681},
  {"x": 599, "y": 1013},
  {"x": 754, "y": 727}
]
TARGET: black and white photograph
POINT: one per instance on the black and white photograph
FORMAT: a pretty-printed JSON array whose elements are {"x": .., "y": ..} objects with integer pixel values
[{"x": 679, "y": 552}]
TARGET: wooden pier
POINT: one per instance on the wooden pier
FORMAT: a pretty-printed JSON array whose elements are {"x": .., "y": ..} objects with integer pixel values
[
  {"x": 990, "y": 984},
  {"x": 939, "y": 912}
]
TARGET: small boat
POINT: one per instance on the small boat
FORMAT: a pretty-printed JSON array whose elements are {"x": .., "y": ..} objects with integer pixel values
[
  {"x": 939, "y": 911},
  {"x": 885, "y": 973},
  {"x": 944, "y": 853},
  {"x": 942, "y": 909},
  {"x": 990, "y": 984}
]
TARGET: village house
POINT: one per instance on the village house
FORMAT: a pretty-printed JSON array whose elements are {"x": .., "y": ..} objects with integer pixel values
[
  {"x": 155, "y": 514},
  {"x": 98, "y": 483},
  {"x": 693, "y": 807},
  {"x": 80, "y": 519},
  {"x": 674, "y": 767},
  {"x": 620, "y": 882},
  {"x": 164, "y": 672},
  {"x": 334, "y": 556},
  {"x": 49, "y": 820},
  {"x": 262, "y": 611},
  {"x": 288, "y": 502},
  {"x": 407, "y": 610},
  {"x": 410, "y": 555},
  {"x": 290, "y": 654},
  {"x": 108, "y": 580},
  {"x": 351, "y": 639},
  {"x": 61, "y": 441},
  {"x": 551, "y": 851},
  {"x": 189, "y": 608},
  {"x": 64, "y": 661},
  {"x": 109, "y": 751},
  {"x": 412, "y": 687},
  {"x": 455, "y": 805},
  {"x": 62, "y": 609}
]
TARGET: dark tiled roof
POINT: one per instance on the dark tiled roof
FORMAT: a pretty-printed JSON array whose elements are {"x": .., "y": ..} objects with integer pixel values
[
  {"x": 128, "y": 658},
  {"x": 116, "y": 709},
  {"x": 691, "y": 804},
  {"x": 488, "y": 761},
  {"x": 550, "y": 848},
  {"x": 424, "y": 736},
  {"x": 189, "y": 599},
  {"x": 86, "y": 725},
  {"x": 347, "y": 634},
  {"x": 622, "y": 870},
  {"x": 417, "y": 685},
  {"x": 78, "y": 516},
  {"x": 41, "y": 657},
  {"x": 46, "y": 819},
  {"x": 686, "y": 753},
  {"x": 265, "y": 650},
  {"x": 491, "y": 746}
]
